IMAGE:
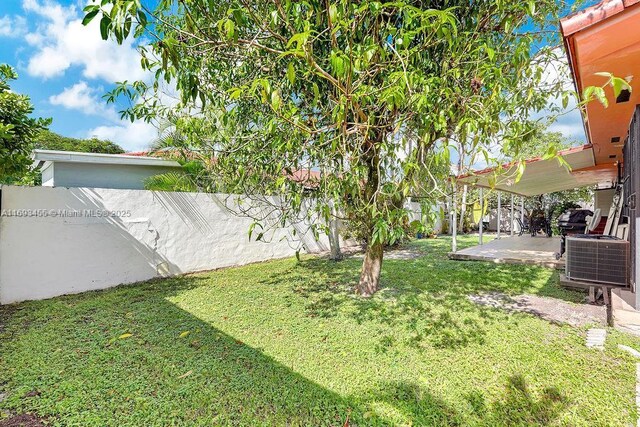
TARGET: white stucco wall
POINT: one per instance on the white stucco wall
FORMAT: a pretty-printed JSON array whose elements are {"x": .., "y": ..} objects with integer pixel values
[
  {"x": 603, "y": 199},
  {"x": 47, "y": 175},
  {"x": 415, "y": 214},
  {"x": 156, "y": 234},
  {"x": 68, "y": 174}
]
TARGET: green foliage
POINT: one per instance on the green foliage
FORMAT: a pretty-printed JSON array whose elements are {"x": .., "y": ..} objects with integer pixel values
[
  {"x": 370, "y": 94},
  {"x": 17, "y": 129},
  {"x": 284, "y": 343},
  {"x": 48, "y": 140},
  {"x": 591, "y": 93},
  {"x": 192, "y": 178}
]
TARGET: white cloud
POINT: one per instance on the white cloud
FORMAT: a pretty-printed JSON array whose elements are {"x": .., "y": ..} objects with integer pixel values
[
  {"x": 86, "y": 99},
  {"x": 61, "y": 41},
  {"x": 570, "y": 126},
  {"x": 15, "y": 26},
  {"x": 81, "y": 97},
  {"x": 131, "y": 136}
]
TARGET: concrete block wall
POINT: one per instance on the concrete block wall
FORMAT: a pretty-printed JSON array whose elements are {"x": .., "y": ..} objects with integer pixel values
[{"x": 56, "y": 241}]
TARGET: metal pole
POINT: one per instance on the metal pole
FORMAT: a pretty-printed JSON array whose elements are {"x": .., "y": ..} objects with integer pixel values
[
  {"x": 454, "y": 222},
  {"x": 499, "y": 215},
  {"x": 522, "y": 213},
  {"x": 480, "y": 226},
  {"x": 511, "y": 219}
]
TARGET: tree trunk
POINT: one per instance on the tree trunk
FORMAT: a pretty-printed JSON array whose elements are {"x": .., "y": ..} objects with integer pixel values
[{"x": 371, "y": 268}]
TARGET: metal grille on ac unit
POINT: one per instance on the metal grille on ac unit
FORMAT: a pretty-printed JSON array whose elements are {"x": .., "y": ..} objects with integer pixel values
[{"x": 599, "y": 260}]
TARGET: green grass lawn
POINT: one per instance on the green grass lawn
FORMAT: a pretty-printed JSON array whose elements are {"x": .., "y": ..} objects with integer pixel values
[{"x": 287, "y": 343}]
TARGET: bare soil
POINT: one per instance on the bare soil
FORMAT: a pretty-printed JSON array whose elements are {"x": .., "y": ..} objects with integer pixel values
[
  {"x": 22, "y": 420},
  {"x": 551, "y": 309}
]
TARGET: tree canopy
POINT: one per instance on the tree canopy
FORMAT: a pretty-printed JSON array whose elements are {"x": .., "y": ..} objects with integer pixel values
[
  {"x": 17, "y": 128},
  {"x": 370, "y": 95},
  {"x": 48, "y": 140}
]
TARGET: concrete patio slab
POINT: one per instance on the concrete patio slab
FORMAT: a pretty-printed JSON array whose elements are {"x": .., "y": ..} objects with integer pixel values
[{"x": 539, "y": 250}]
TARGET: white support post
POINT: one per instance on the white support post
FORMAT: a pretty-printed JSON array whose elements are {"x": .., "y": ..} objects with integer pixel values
[
  {"x": 522, "y": 213},
  {"x": 480, "y": 225},
  {"x": 499, "y": 215},
  {"x": 454, "y": 222},
  {"x": 511, "y": 219},
  {"x": 463, "y": 208}
]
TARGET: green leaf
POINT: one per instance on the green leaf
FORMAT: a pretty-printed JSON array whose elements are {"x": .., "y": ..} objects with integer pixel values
[
  {"x": 89, "y": 16},
  {"x": 125, "y": 336},
  {"x": 333, "y": 12},
  {"x": 235, "y": 93},
  {"x": 298, "y": 38},
  {"x": 276, "y": 99},
  {"x": 291, "y": 73},
  {"x": 252, "y": 227},
  {"x": 520, "y": 170},
  {"x": 531, "y": 6},
  {"x": 105, "y": 22},
  {"x": 619, "y": 85},
  {"x": 490, "y": 53},
  {"x": 142, "y": 18},
  {"x": 229, "y": 27},
  {"x": 601, "y": 96},
  {"x": 337, "y": 65}
]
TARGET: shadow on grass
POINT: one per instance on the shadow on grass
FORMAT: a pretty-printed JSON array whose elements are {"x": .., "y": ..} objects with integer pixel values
[
  {"x": 73, "y": 363},
  {"x": 429, "y": 295},
  {"x": 516, "y": 407},
  {"x": 68, "y": 360}
]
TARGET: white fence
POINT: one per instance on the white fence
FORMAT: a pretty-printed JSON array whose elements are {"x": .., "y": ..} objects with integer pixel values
[{"x": 56, "y": 241}]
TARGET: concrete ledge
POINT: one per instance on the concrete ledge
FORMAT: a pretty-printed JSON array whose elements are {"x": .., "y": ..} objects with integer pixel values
[
  {"x": 525, "y": 250},
  {"x": 583, "y": 284},
  {"x": 559, "y": 264},
  {"x": 625, "y": 317}
]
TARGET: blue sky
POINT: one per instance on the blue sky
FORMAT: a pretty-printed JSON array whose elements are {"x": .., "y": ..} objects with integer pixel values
[{"x": 66, "y": 68}]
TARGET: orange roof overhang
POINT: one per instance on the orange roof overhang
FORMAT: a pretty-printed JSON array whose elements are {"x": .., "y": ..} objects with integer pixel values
[
  {"x": 543, "y": 176},
  {"x": 604, "y": 38}
]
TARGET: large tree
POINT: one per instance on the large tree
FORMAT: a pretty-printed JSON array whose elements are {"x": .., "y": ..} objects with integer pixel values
[
  {"x": 364, "y": 97},
  {"x": 17, "y": 128}
]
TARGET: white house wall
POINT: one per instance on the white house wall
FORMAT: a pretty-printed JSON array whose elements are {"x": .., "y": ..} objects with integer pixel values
[
  {"x": 152, "y": 234},
  {"x": 47, "y": 175},
  {"x": 67, "y": 174}
]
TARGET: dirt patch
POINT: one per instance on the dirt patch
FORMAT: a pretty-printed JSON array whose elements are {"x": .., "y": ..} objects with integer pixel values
[
  {"x": 395, "y": 254},
  {"x": 551, "y": 309},
  {"x": 5, "y": 313},
  {"x": 22, "y": 420}
]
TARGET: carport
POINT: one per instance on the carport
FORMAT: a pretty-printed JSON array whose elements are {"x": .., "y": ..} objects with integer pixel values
[{"x": 540, "y": 176}]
